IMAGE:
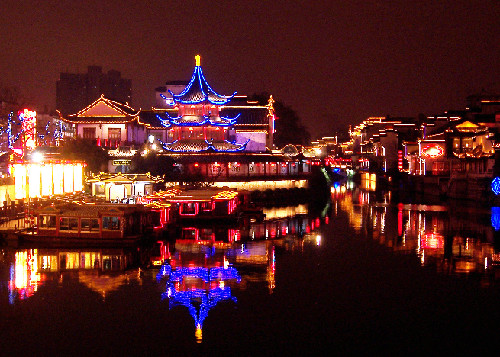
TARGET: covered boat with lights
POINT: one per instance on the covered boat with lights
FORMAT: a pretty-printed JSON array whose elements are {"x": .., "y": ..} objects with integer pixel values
[{"x": 177, "y": 205}]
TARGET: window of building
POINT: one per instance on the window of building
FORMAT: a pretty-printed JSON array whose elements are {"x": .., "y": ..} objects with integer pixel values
[
  {"x": 68, "y": 224},
  {"x": 188, "y": 208},
  {"x": 89, "y": 260},
  {"x": 206, "y": 206},
  {"x": 114, "y": 134},
  {"x": 48, "y": 221},
  {"x": 111, "y": 223},
  {"x": 112, "y": 262},
  {"x": 99, "y": 189},
  {"x": 89, "y": 133},
  {"x": 190, "y": 233},
  {"x": 90, "y": 225},
  {"x": 440, "y": 167},
  {"x": 206, "y": 234}
]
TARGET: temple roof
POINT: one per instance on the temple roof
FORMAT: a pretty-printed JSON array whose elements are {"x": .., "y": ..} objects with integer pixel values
[
  {"x": 199, "y": 91},
  {"x": 104, "y": 110}
]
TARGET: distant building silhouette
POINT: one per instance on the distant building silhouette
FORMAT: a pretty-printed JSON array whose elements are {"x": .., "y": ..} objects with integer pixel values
[{"x": 75, "y": 91}]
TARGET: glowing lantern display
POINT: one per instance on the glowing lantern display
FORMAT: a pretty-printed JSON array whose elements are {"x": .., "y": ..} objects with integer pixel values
[
  {"x": 58, "y": 179},
  {"x": 432, "y": 151},
  {"x": 45, "y": 179},
  {"x": 68, "y": 179},
  {"x": 28, "y": 119}
]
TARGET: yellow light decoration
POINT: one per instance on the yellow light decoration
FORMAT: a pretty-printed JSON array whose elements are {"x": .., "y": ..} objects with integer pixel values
[
  {"x": 68, "y": 178},
  {"x": 198, "y": 60},
  {"x": 78, "y": 177},
  {"x": 225, "y": 195},
  {"x": 20, "y": 181},
  {"x": 21, "y": 273},
  {"x": 47, "y": 186},
  {"x": 34, "y": 180},
  {"x": 58, "y": 179}
]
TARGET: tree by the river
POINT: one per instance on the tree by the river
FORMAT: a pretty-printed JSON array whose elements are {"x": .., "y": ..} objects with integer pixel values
[
  {"x": 288, "y": 125},
  {"x": 85, "y": 150}
]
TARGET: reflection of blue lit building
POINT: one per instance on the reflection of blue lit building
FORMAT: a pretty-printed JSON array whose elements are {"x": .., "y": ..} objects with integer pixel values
[
  {"x": 495, "y": 218},
  {"x": 206, "y": 297}
]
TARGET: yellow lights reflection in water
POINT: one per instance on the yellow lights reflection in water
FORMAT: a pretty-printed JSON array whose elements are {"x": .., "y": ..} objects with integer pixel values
[
  {"x": 26, "y": 276},
  {"x": 198, "y": 334}
]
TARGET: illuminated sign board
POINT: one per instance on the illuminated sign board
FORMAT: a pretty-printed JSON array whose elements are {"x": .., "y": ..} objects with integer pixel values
[
  {"x": 121, "y": 162},
  {"x": 432, "y": 151}
]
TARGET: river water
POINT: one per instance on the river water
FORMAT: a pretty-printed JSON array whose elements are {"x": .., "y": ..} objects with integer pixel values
[{"x": 363, "y": 273}]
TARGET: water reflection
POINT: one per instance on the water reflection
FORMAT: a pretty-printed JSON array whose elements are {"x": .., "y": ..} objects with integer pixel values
[
  {"x": 28, "y": 269},
  {"x": 206, "y": 263},
  {"x": 455, "y": 239},
  {"x": 199, "y": 286},
  {"x": 203, "y": 266}
]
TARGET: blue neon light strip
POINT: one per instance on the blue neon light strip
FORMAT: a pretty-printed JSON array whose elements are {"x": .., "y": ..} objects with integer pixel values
[
  {"x": 167, "y": 100},
  {"x": 178, "y": 121},
  {"x": 206, "y": 91},
  {"x": 206, "y": 298},
  {"x": 206, "y": 274},
  {"x": 163, "y": 122},
  {"x": 209, "y": 299}
]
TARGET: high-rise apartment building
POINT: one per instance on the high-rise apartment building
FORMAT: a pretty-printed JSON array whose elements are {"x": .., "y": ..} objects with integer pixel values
[{"x": 75, "y": 91}]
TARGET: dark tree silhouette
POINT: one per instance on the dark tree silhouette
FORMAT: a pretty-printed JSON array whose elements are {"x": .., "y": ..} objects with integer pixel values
[
  {"x": 289, "y": 129},
  {"x": 157, "y": 165},
  {"x": 85, "y": 150}
]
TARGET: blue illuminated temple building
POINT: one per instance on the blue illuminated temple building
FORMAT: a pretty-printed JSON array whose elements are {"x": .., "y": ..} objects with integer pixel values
[
  {"x": 186, "y": 119},
  {"x": 205, "y": 131},
  {"x": 195, "y": 118}
]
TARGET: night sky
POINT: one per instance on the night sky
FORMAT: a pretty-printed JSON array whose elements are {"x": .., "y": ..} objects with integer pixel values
[{"x": 334, "y": 62}]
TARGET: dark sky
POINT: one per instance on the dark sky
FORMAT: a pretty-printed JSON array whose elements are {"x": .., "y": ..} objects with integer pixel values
[{"x": 335, "y": 62}]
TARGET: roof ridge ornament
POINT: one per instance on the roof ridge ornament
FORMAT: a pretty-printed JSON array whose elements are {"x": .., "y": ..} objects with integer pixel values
[{"x": 199, "y": 91}]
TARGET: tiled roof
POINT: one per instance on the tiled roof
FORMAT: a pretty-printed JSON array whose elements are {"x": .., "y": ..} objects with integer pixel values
[{"x": 184, "y": 145}]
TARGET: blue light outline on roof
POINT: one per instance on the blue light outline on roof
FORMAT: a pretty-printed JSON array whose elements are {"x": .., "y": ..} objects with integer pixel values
[
  {"x": 198, "y": 76},
  {"x": 178, "y": 121}
]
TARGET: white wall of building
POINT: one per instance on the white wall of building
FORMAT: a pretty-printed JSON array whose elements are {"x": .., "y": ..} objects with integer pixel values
[{"x": 257, "y": 141}]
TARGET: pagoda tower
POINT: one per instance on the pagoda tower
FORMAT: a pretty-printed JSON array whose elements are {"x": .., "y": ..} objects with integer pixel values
[{"x": 199, "y": 126}]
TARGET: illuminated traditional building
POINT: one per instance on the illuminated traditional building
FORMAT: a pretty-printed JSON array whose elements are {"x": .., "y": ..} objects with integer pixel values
[
  {"x": 198, "y": 119},
  {"x": 108, "y": 123},
  {"x": 119, "y": 186},
  {"x": 206, "y": 133}
]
